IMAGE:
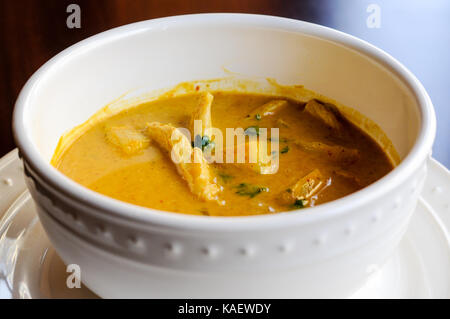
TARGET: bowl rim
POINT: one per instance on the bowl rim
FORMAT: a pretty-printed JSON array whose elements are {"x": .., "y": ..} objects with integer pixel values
[{"x": 116, "y": 208}]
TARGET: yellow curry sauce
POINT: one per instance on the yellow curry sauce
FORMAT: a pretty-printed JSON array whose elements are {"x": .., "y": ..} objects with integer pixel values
[{"x": 322, "y": 156}]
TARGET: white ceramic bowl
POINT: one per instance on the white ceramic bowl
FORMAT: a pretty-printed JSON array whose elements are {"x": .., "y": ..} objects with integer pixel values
[{"x": 129, "y": 251}]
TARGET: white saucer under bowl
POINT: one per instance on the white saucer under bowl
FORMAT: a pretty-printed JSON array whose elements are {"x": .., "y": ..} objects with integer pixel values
[{"x": 30, "y": 267}]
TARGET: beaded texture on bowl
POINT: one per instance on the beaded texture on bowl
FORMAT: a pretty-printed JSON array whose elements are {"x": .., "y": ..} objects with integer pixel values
[{"x": 290, "y": 247}]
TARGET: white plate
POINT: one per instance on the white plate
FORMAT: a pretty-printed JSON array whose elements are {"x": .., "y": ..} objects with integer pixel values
[{"x": 30, "y": 267}]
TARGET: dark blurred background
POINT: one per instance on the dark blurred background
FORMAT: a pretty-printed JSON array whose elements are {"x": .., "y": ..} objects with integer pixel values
[{"x": 416, "y": 32}]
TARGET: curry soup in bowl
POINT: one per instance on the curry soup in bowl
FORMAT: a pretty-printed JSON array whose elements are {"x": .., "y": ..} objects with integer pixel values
[
  {"x": 224, "y": 153},
  {"x": 132, "y": 251}
]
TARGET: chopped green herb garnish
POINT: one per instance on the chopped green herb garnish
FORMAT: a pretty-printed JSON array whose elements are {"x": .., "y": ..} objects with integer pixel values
[
  {"x": 284, "y": 150},
  {"x": 203, "y": 142},
  {"x": 300, "y": 203},
  {"x": 209, "y": 147},
  {"x": 252, "y": 130},
  {"x": 225, "y": 177},
  {"x": 257, "y": 117},
  {"x": 245, "y": 189},
  {"x": 197, "y": 141}
]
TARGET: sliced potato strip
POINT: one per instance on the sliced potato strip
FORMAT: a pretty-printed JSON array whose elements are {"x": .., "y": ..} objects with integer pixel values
[
  {"x": 129, "y": 140},
  {"x": 306, "y": 187},
  {"x": 255, "y": 159},
  {"x": 348, "y": 176},
  {"x": 190, "y": 163},
  {"x": 327, "y": 113},
  {"x": 268, "y": 109},
  {"x": 202, "y": 113},
  {"x": 335, "y": 153},
  {"x": 282, "y": 123}
]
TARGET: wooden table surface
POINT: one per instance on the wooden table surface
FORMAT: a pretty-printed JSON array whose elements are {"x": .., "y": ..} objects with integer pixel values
[{"x": 416, "y": 32}]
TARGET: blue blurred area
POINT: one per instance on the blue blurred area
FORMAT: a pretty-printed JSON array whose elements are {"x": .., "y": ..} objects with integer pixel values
[{"x": 415, "y": 32}]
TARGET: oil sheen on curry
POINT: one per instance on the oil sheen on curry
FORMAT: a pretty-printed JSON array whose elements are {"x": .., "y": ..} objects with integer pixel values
[{"x": 284, "y": 154}]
